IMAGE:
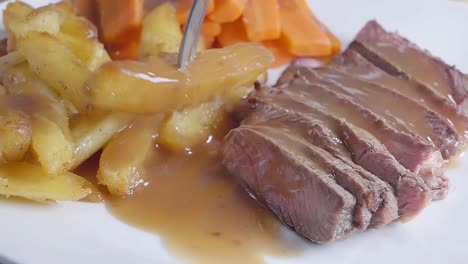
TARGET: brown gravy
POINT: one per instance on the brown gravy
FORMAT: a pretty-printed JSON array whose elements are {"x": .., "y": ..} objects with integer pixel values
[{"x": 200, "y": 214}]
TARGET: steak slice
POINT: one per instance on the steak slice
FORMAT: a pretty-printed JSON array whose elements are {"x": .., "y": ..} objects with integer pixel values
[
  {"x": 399, "y": 57},
  {"x": 373, "y": 194},
  {"x": 409, "y": 150},
  {"x": 368, "y": 152},
  {"x": 403, "y": 113},
  {"x": 410, "y": 203},
  {"x": 366, "y": 198},
  {"x": 413, "y": 153},
  {"x": 299, "y": 194},
  {"x": 354, "y": 64}
]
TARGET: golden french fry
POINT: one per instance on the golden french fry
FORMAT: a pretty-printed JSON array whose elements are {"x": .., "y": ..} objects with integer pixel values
[
  {"x": 235, "y": 96},
  {"x": 31, "y": 182},
  {"x": 81, "y": 37},
  {"x": 161, "y": 31},
  {"x": 56, "y": 65},
  {"x": 90, "y": 52},
  {"x": 15, "y": 134},
  {"x": 122, "y": 161},
  {"x": 52, "y": 148},
  {"x": 146, "y": 87},
  {"x": 20, "y": 19},
  {"x": 79, "y": 27},
  {"x": 20, "y": 80},
  {"x": 14, "y": 14},
  {"x": 91, "y": 133},
  {"x": 193, "y": 126},
  {"x": 11, "y": 59}
]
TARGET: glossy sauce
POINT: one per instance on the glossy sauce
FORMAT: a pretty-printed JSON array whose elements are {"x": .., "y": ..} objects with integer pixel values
[
  {"x": 362, "y": 69},
  {"x": 421, "y": 68},
  {"x": 201, "y": 214},
  {"x": 385, "y": 103},
  {"x": 334, "y": 106}
]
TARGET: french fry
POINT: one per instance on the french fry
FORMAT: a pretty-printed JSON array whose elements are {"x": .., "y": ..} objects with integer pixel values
[
  {"x": 56, "y": 65},
  {"x": 59, "y": 20},
  {"x": 90, "y": 52},
  {"x": 193, "y": 126},
  {"x": 31, "y": 182},
  {"x": 15, "y": 133},
  {"x": 80, "y": 27},
  {"x": 145, "y": 87},
  {"x": 161, "y": 31},
  {"x": 52, "y": 148},
  {"x": 20, "y": 80},
  {"x": 91, "y": 133},
  {"x": 81, "y": 37},
  {"x": 50, "y": 137},
  {"x": 14, "y": 14},
  {"x": 20, "y": 19},
  {"x": 11, "y": 59},
  {"x": 121, "y": 166}
]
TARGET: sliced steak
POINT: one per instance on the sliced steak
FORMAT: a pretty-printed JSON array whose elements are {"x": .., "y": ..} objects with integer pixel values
[
  {"x": 366, "y": 198},
  {"x": 368, "y": 152},
  {"x": 398, "y": 56},
  {"x": 410, "y": 151},
  {"x": 413, "y": 153},
  {"x": 373, "y": 194},
  {"x": 416, "y": 155},
  {"x": 354, "y": 64},
  {"x": 300, "y": 194},
  {"x": 334, "y": 124},
  {"x": 401, "y": 112}
]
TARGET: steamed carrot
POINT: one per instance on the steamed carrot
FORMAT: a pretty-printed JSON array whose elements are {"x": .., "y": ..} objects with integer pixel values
[
  {"x": 334, "y": 41},
  {"x": 208, "y": 41},
  {"x": 235, "y": 32},
  {"x": 88, "y": 9},
  {"x": 301, "y": 34},
  {"x": 183, "y": 9},
  {"x": 121, "y": 23},
  {"x": 227, "y": 10},
  {"x": 298, "y": 5},
  {"x": 232, "y": 33},
  {"x": 281, "y": 55},
  {"x": 210, "y": 28},
  {"x": 262, "y": 20},
  {"x": 119, "y": 17},
  {"x": 301, "y": 5}
]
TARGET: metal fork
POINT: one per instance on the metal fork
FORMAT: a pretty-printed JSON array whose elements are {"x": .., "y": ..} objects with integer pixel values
[{"x": 188, "y": 47}]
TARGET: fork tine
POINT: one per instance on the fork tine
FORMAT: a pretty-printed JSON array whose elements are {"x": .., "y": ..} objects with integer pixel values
[{"x": 188, "y": 48}]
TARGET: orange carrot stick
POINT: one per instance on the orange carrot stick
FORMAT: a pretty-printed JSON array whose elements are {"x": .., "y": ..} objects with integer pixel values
[
  {"x": 183, "y": 9},
  {"x": 334, "y": 41},
  {"x": 210, "y": 28},
  {"x": 232, "y": 33},
  {"x": 262, "y": 20},
  {"x": 121, "y": 23},
  {"x": 87, "y": 9},
  {"x": 304, "y": 7},
  {"x": 281, "y": 55},
  {"x": 227, "y": 10},
  {"x": 301, "y": 34}
]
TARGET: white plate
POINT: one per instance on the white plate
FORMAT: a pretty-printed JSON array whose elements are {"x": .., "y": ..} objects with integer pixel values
[{"x": 76, "y": 233}]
